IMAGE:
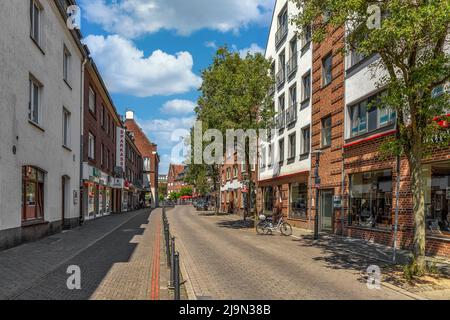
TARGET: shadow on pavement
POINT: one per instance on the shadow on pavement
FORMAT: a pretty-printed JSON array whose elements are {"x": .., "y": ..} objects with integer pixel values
[
  {"x": 237, "y": 224},
  {"x": 95, "y": 262}
]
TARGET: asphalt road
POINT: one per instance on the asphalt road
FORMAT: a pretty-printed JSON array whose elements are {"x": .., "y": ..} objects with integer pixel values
[{"x": 225, "y": 259}]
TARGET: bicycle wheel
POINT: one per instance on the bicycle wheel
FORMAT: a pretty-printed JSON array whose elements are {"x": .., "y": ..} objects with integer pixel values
[
  {"x": 286, "y": 229},
  {"x": 261, "y": 228}
]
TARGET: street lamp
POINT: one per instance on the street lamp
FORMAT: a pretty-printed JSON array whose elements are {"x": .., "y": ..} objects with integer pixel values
[{"x": 317, "y": 186}]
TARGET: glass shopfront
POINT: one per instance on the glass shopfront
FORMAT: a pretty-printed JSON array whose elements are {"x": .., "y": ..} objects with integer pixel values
[
  {"x": 91, "y": 200},
  {"x": 371, "y": 199},
  {"x": 437, "y": 197},
  {"x": 268, "y": 200},
  {"x": 298, "y": 194},
  {"x": 108, "y": 201}
]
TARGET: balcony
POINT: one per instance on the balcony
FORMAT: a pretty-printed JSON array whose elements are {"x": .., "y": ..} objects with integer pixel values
[
  {"x": 281, "y": 77},
  {"x": 280, "y": 121},
  {"x": 291, "y": 114},
  {"x": 271, "y": 90},
  {"x": 281, "y": 34},
  {"x": 291, "y": 66}
]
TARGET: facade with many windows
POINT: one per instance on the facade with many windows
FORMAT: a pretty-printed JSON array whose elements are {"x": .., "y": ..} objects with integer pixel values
[
  {"x": 40, "y": 100},
  {"x": 285, "y": 161}
]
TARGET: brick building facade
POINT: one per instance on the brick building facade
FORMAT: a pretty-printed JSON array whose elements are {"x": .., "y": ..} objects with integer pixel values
[
  {"x": 149, "y": 152},
  {"x": 102, "y": 186},
  {"x": 133, "y": 194}
]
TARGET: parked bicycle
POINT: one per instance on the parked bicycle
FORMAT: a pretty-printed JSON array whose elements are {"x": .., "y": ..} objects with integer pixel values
[{"x": 266, "y": 226}]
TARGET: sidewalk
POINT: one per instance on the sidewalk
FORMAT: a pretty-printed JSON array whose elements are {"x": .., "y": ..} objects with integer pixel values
[{"x": 116, "y": 255}]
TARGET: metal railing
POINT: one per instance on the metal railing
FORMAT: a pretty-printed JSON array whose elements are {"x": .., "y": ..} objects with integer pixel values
[
  {"x": 281, "y": 34},
  {"x": 291, "y": 65},
  {"x": 291, "y": 114},
  {"x": 173, "y": 258},
  {"x": 281, "y": 77},
  {"x": 271, "y": 90},
  {"x": 280, "y": 121}
]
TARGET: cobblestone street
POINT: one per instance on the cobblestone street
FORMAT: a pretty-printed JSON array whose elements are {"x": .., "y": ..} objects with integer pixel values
[
  {"x": 225, "y": 260},
  {"x": 116, "y": 255}
]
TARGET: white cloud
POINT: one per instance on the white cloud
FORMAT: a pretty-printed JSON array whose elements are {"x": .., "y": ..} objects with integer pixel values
[
  {"x": 168, "y": 134},
  {"x": 176, "y": 107},
  {"x": 133, "y": 18},
  {"x": 211, "y": 44},
  {"x": 125, "y": 69},
  {"x": 254, "y": 48}
]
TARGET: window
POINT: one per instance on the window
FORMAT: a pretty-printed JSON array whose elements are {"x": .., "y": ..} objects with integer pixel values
[
  {"x": 371, "y": 199},
  {"x": 281, "y": 150},
  {"x": 262, "y": 161},
  {"x": 306, "y": 35},
  {"x": 327, "y": 68},
  {"x": 298, "y": 199},
  {"x": 66, "y": 64},
  {"x": 235, "y": 171},
  {"x": 271, "y": 155},
  {"x": 66, "y": 128},
  {"x": 281, "y": 104},
  {"x": 107, "y": 159},
  {"x": 102, "y": 154},
  {"x": 437, "y": 197},
  {"x": 292, "y": 146},
  {"x": 268, "y": 200},
  {"x": 293, "y": 96},
  {"x": 358, "y": 114},
  {"x": 108, "y": 125},
  {"x": 34, "y": 108},
  {"x": 36, "y": 21},
  {"x": 306, "y": 140},
  {"x": 147, "y": 164},
  {"x": 91, "y": 146},
  {"x": 228, "y": 174},
  {"x": 306, "y": 86},
  {"x": 356, "y": 57},
  {"x": 32, "y": 194},
  {"x": 102, "y": 116},
  {"x": 370, "y": 115},
  {"x": 326, "y": 132},
  {"x": 283, "y": 19},
  {"x": 92, "y": 100}
]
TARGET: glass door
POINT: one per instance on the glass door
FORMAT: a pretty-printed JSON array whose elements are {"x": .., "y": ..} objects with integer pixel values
[{"x": 326, "y": 210}]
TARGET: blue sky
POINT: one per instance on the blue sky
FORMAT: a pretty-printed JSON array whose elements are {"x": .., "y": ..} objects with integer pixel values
[{"x": 151, "y": 54}]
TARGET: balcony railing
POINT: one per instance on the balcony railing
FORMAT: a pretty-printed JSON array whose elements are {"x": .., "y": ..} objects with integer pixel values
[
  {"x": 280, "y": 121},
  {"x": 291, "y": 66},
  {"x": 271, "y": 90},
  {"x": 281, "y": 77},
  {"x": 291, "y": 114},
  {"x": 281, "y": 34}
]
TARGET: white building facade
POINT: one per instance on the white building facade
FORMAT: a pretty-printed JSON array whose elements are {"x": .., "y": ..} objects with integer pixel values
[
  {"x": 285, "y": 159},
  {"x": 40, "y": 99}
]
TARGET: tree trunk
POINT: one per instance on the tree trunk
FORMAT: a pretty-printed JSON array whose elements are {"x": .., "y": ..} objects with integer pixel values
[{"x": 418, "y": 190}]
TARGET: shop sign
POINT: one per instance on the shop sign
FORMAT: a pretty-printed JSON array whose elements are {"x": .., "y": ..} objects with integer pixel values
[
  {"x": 121, "y": 148},
  {"x": 337, "y": 202},
  {"x": 75, "y": 197}
]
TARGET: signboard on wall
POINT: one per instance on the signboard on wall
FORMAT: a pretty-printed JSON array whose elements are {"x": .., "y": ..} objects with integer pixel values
[{"x": 120, "y": 148}]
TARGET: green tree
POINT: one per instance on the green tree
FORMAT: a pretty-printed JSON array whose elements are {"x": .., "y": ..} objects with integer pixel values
[
  {"x": 234, "y": 96},
  {"x": 186, "y": 191},
  {"x": 412, "y": 44},
  {"x": 174, "y": 196}
]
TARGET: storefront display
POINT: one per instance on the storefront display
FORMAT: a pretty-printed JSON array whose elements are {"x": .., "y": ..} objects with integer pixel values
[
  {"x": 371, "y": 199},
  {"x": 437, "y": 197},
  {"x": 298, "y": 194}
]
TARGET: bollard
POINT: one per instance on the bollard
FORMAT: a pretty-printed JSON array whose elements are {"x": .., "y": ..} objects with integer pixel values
[
  {"x": 177, "y": 276},
  {"x": 167, "y": 240},
  {"x": 172, "y": 263}
]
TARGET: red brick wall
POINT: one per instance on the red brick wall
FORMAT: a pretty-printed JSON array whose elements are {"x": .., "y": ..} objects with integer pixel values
[{"x": 92, "y": 124}]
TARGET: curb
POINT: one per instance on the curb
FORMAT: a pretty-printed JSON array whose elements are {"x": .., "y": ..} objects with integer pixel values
[{"x": 188, "y": 284}]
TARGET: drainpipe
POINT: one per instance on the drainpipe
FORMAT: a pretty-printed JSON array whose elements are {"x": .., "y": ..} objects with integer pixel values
[{"x": 83, "y": 67}]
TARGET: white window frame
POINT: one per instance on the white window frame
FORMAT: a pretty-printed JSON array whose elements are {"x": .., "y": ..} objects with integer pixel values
[
  {"x": 304, "y": 91},
  {"x": 33, "y": 104},
  {"x": 36, "y": 8},
  {"x": 306, "y": 147},
  {"x": 66, "y": 128},
  {"x": 67, "y": 59},
  {"x": 292, "y": 146},
  {"x": 91, "y": 146},
  {"x": 92, "y": 100}
]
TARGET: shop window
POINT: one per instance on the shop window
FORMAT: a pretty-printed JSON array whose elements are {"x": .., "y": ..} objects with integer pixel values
[
  {"x": 268, "y": 200},
  {"x": 32, "y": 194},
  {"x": 371, "y": 199},
  {"x": 298, "y": 200},
  {"x": 437, "y": 198}
]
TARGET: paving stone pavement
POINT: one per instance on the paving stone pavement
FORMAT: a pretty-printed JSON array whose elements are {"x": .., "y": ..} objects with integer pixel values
[
  {"x": 114, "y": 254},
  {"x": 226, "y": 260}
]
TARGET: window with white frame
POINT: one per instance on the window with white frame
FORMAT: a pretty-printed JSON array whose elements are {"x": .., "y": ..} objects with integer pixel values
[
  {"x": 66, "y": 65},
  {"x": 306, "y": 141},
  {"x": 281, "y": 150},
  {"x": 36, "y": 16},
  {"x": 306, "y": 86},
  {"x": 262, "y": 161},
  {"x": 92, "y": 98},
  {"x": 91, "y": 146},
  {"x": 66, "y": 128},
  {"x": 292, "y": 146},
  {"x": 327, "y": 67},
  {"x": 306, "y": 35},
  {"x": 34, "y": 107}
]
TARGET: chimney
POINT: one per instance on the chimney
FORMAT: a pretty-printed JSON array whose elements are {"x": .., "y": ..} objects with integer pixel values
[{"x": 130, "y": 115}]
